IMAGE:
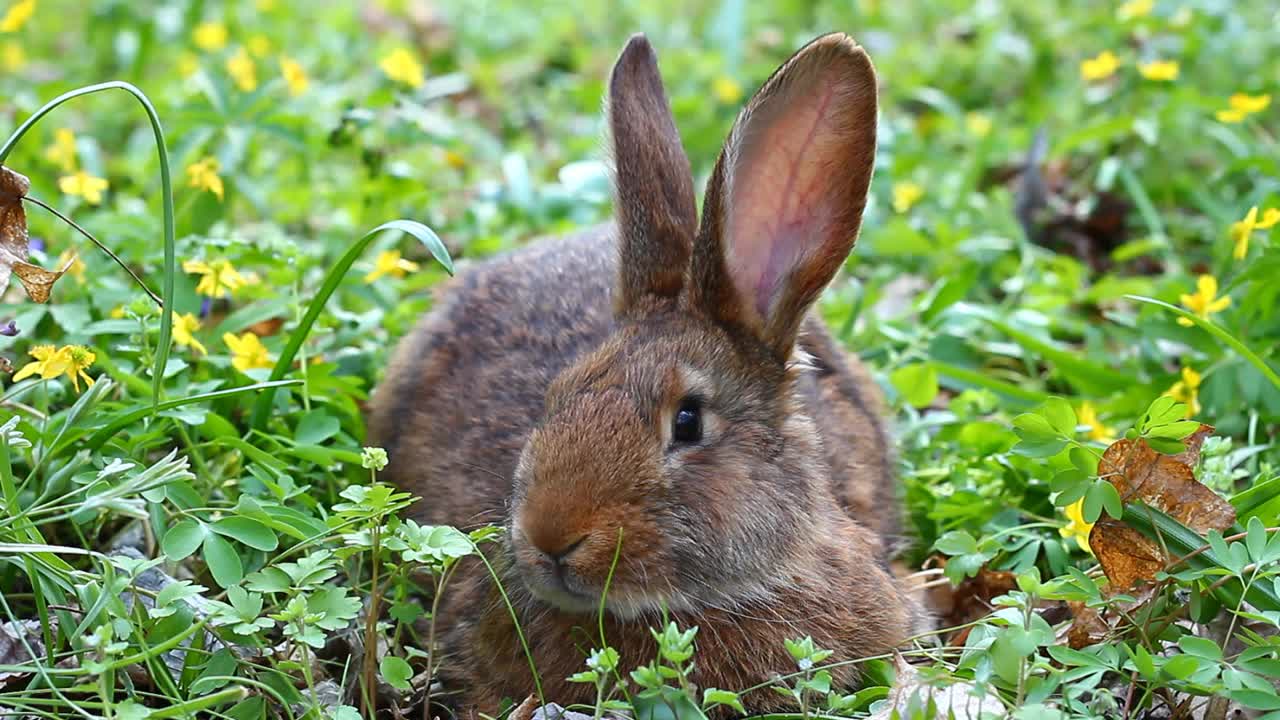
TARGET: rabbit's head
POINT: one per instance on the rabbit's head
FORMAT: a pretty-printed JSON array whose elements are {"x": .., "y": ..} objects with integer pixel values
[{"x": 673, "y": 464}]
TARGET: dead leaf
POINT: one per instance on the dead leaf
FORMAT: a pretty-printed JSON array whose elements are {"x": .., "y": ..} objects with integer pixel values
[
  {"x": 957, "y": 700},
  {"x": 1087, "y": 626},
  {"x": 38, "y": 281},
  {"x": 266, "y": 328},
  {"x": 16, "y": 637},
  {"x": 14, "y": 240},
  {"x": 1166, "y": 482},
  {"x": 1125, "y": 554}
]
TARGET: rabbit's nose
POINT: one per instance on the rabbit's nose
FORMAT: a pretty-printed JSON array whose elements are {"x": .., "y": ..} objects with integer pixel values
[{"x": 558, "y": 553}]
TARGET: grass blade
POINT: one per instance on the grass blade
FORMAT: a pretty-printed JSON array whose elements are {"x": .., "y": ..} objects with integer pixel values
[
  {"x": 1219, "y": 333},
  {"x": 331, "y": 282}
]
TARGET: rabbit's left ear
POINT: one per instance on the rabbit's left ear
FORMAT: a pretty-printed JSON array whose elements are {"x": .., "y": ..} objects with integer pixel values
[
  {"x": 655, "y": 205},
  {"x": 785, "y": 201}
]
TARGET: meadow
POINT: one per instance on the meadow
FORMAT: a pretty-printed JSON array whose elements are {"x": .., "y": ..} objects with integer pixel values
[{"x": 1066, "y": 284}]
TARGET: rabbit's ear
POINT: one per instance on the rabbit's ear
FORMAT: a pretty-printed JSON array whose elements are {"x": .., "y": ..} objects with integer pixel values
[
  {"x": 785, "y": 201},
  {"x": 655, "y": 205}
]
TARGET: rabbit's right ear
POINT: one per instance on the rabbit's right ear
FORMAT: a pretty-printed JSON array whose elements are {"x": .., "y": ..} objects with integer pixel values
[
  {"x": 655, "y": 205},
  {"x": 785, "y": 201}
]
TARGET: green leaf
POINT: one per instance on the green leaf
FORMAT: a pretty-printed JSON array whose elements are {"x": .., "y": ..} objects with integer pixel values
[
  {"x": 315, "y": 427},
  {"x": 712, "y": 696},
  {"x": 248, "y": 531},
  {"x": 1036, "y": 436},
  {"x": 918, "y": 384},
  {"x": 1200, "y": 647},
  {"x": 956, "y": 542},
  {"x": 224, "y": 564},
  {"x": 182, "y": 539},
  {"x": 1061, "y": 416},
  {"x": 338, "y": 607},
  {"x": 396, "y": 672},
  {"x": 1174, "y": 431}
]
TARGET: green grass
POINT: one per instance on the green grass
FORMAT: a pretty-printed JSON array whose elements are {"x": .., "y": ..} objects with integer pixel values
[{"x": 242, "y": 473}]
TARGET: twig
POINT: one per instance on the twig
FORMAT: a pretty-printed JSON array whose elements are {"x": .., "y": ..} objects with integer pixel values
[{"x": 97, "y": 242}]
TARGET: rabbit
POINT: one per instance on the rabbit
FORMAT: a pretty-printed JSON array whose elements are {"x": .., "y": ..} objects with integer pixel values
[{"x": 657, "y": 389}]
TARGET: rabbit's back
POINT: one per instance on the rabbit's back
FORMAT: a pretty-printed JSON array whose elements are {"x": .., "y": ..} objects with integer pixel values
[{"x": 466, "y": 386}]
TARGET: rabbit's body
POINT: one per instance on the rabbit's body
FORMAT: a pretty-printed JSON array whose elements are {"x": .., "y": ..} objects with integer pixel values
[{"x": 648, "y": 408}]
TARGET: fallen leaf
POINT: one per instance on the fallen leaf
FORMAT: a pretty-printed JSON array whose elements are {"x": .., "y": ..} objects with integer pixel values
[
  {"x": 1087, "y": 626},
  {"x": 1166, "y": 482},
  {"x": 14, "y": 240},
  {"x": 16, "y": 638},
  {"x": 38, "y": 281},
  {"x": 957, "y": 700},
  {"x": 1125, "y": 554}
]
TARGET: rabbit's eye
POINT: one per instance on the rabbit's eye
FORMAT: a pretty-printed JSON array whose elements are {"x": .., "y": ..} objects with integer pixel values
[{"x": 687, "y": 427}]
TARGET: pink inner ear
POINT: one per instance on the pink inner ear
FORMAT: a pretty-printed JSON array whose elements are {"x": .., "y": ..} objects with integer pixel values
[{"x": 780, "y": 206}]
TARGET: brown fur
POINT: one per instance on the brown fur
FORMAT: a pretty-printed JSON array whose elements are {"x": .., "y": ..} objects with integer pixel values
[{"x": 540, "y": 394}]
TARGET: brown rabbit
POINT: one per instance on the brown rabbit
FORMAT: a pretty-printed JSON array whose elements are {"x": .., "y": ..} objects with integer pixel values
[{"x": 656, "y": 384}]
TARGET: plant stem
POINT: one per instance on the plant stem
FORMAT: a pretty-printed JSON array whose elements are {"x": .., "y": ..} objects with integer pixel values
[
  {"x": 371, "y": 630},
  {"x": 101, "y": 247}
]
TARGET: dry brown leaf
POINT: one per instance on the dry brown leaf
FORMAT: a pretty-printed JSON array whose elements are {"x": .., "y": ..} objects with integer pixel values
[
  {"x": 1166, "y": 482},
  {"x": 38, "y": 281},
  {"x": 14, "y": 240},
  {"x": 1087, "y": 626},
  {"x": 1125, "y": 554},
  {"x": 958, "y": 700}
]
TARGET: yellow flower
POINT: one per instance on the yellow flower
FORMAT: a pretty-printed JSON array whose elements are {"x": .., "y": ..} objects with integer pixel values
[
  {"x": 1187, "y": 391},
  {"x": 210, "y": 36},
  {"x": 1101, "y": 67},
  {"x": 63, "y": 150},
  {"x": 18, "y": 15},
  {"x": 188, "y": 64},
  {"x": 978, "y": 124},
  {"x": 84, "y": 185},
  {"x": 203, "y": 175},
  {"x": 1241, "y": 105},
  {"x": 294, "y": 76},
  {"x": 1205, "y": 301},
  {"x": 76, "y": 270},
  {"x": 247, "y": 351},
  {"x": 117, "y": 312},
  {"x": 905, "y": 195},
  {"x": 389, "y": 262},
  {"x": 1231, "y": 116},
  {"x": 1160, "y": 70},
  {"x": 1076, "y": 527},
  {"x": 240, "y": 68},
  {"x": 1243, "y": 229},
  {"x": 400, "y": 65},
  {"x": 260, "y": 45},
  {"x": 726, "y": 89},
  {"x": 1097, "y": 431},
  {"x": 1249, "y": 103},
  {"x": 1134, "y": 9},
  {"x": 218, "y": 278},
  {"x": 183, "y": 327},
  {"x": 69, "y": 360},
  {"x": 12, "y": 57},
  {"x": 455, "y": 160}
]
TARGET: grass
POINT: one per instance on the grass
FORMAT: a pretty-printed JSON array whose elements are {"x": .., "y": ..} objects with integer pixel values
[{"x": 1020, "y": 316}]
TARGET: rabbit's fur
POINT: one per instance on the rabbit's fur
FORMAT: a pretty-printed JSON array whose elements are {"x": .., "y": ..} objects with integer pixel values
[{"x": 542, "y": 394}]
